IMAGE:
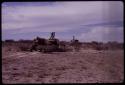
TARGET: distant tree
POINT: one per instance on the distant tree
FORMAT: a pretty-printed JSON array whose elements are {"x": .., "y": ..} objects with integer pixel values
[
  {"x": 95, "y": 42},
  {"x": 25, "y": 41},
  {"x": 10, "y": 40}
]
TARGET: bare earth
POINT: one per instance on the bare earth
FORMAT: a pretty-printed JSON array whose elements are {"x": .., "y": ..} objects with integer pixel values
[{"x": 87, "y": 66}]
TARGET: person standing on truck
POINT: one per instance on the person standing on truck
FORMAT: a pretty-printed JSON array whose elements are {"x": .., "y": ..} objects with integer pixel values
[{"x": 52, "y": 35}]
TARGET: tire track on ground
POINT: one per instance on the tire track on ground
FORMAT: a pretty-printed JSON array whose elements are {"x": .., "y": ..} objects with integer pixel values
[{"x": 20, "y": 54}]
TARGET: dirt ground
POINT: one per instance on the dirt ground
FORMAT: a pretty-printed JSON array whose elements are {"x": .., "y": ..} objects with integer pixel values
[{"x": 86, "y": 66}]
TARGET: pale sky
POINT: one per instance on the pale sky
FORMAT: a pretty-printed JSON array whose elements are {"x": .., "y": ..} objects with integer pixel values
[{"x": 87, "y": 20}]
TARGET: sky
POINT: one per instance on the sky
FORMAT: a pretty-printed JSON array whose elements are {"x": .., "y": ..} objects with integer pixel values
[{"x": 88, "y": 21}]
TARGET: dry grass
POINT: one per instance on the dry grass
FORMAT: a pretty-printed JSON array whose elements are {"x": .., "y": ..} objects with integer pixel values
[{"x": 85, "y": 66}]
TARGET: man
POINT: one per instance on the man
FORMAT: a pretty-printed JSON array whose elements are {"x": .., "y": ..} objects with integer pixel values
[{"x": 52, "y": 35}]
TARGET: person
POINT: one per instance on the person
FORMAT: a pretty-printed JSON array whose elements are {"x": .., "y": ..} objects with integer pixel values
[{"x": 52, "y": 35}]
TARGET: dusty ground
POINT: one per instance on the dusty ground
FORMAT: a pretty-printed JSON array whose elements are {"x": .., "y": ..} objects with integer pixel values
[{"x": 87, "y": 66}]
